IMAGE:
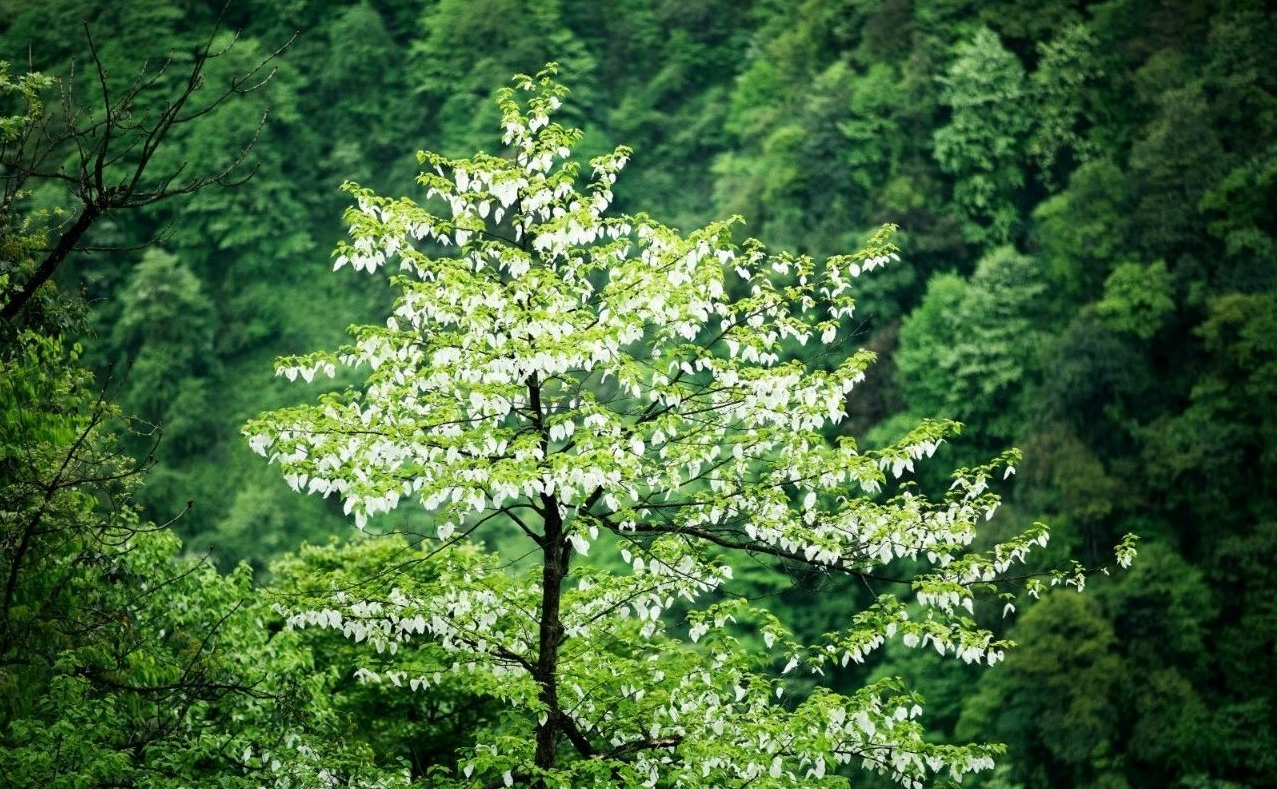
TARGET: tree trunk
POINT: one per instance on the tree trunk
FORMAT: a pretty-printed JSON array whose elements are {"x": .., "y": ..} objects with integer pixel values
[
  {"x": 554, "y": 570},
  {"x": 50, "y": 264}
]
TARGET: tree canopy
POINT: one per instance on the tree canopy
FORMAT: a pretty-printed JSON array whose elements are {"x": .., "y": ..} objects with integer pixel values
[{"x": 601, "y": 380}]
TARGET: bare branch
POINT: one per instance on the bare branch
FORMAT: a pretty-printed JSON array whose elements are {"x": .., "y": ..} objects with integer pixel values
[{"x": 113, "y": 150}]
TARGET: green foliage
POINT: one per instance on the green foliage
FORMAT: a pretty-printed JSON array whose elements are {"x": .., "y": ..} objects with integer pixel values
[
  {"x": 1224, "y": 437},
  {"x": 166, "y": 330},
  {"x": 925, "y": 346},
  {"x": 1125, "y": 147},
  {"x": 1172, "y": 165},
  {"x": 1069, "y": 485},
  {"x": 1159, "y": 728},
  {"x": 512, "y": 35},
  {"x": 1099, "y": 377},
  {"x": 1055, "y": 701},
  {"x": 21, "y": 96},
  {"x": 1079, "y": 230},
  {"x": 118, "y": 662},
  {"x": 970, "y": 346},
  {"x": 1137, "y": 299},
  {"x": 983, "y": 144},
  {"x": 1244, "y": 580},
  {"x": 366, "y": 688},
  {"x": 1067, "y": 65},
  {"x": 23, "y": 233}
]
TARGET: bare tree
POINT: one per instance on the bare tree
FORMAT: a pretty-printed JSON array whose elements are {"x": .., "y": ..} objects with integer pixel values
[{"x": 104, "y": 156}]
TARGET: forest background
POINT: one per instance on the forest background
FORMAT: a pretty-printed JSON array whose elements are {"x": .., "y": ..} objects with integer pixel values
[{"x": 1087, "y": 196}]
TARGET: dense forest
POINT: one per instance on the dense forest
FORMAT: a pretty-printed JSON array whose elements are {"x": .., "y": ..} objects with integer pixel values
[{"x": 1086, "y": 196}]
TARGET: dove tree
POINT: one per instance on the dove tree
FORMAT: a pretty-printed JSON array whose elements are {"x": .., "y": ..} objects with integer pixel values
[{"x": 602, "y": 383}]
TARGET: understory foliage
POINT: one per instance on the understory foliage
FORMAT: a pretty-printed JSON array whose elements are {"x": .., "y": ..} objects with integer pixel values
[
  {"x": 606, "y": 386},
  {"x": 121, "y": 664}
]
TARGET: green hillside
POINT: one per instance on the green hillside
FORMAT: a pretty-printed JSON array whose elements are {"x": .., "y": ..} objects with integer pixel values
[{"x": 1086, "y": 195}]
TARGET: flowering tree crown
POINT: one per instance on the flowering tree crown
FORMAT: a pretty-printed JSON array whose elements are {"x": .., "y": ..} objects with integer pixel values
[{"x": 595, "y": 379}]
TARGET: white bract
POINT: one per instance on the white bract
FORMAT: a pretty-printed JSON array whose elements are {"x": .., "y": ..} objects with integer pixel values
[{"x": 590, "y": 377}]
